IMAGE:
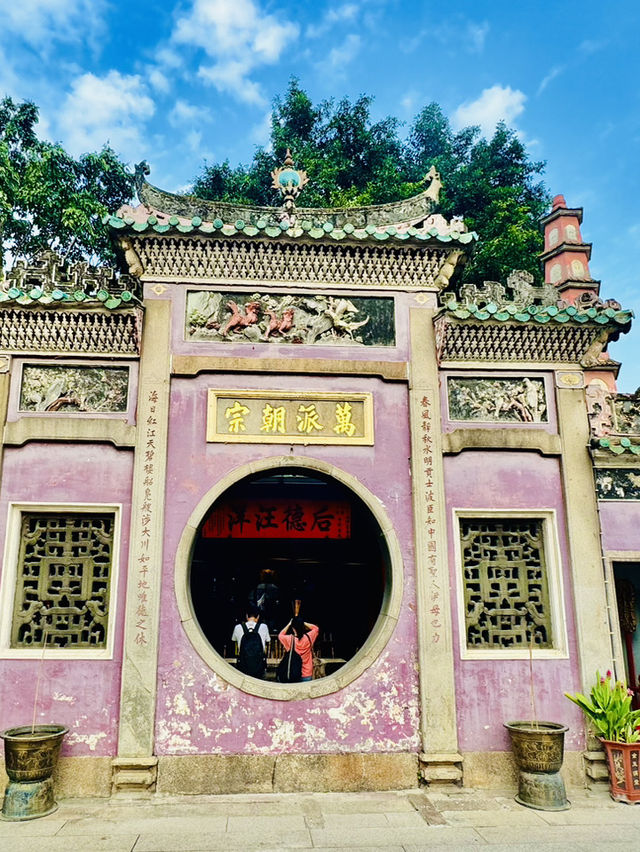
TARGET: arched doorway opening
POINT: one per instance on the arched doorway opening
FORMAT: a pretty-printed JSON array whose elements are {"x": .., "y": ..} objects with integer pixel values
[{"x": 283, "y": 534}]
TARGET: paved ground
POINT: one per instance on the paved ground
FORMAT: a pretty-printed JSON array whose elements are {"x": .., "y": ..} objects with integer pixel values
[{"x": 406, "y": 821}]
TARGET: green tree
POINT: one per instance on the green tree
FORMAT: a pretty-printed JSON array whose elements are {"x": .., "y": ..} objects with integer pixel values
[
  {"x": 352, "y": 160},
  {"x": 49, "y": 199}
]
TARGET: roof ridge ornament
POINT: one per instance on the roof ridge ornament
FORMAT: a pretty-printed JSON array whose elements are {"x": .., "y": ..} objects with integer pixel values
[{"x": 289, "y": 181}]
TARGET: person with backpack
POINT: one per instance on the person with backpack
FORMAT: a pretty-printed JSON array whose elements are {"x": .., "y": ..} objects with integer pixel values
[
  {"x": 252, "y": 637},
  {"x": 297, "y": 639}
]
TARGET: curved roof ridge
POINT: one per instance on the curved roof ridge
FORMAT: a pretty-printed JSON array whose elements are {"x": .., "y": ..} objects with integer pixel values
[{"x": 408, "y": 211}]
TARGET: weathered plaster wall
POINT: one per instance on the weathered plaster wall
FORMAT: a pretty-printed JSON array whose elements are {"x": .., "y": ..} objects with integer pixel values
[
  {"x": 81, "y": 694},
  {"x": 198, "y": 712},
  {"x": 620, "y": 527},
  {"x": 491, "y": 692}
]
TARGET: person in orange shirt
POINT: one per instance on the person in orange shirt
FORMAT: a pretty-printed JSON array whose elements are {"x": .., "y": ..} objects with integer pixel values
[{"x": 304, "y": 635}]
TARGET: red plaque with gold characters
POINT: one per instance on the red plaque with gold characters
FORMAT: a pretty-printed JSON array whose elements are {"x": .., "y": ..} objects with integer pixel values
[{"x": 279, "y": 518}]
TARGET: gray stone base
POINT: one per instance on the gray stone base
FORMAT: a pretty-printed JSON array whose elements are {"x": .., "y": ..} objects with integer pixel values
[
  {"x": 596, "y": 767},
  {"x": 441, "y": 769},
  {"x": 134, "y": 775},
  {"x": 496, "y": 769},
  {"x": 292, "y": 773},
  {"x": 76, "y": 777},
  {"x": 286, "y": 773}
]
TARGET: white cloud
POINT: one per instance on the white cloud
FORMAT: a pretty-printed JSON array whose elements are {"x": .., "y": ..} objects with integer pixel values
[
  {"x": 477, "y": 34},
  {"x": 344, "y": 53},
  {"x": 239, "y": 37},
  {"x": 346, "y": 12},
  {"x": 455, "y": 34},
  {"x": 498, "y": 103},
  {"x": 39, "y": 22},
  {"x": 553, "y": 73},
  {"x": 409, "y": 101},
  {"x": 232, "y": 77},
  {"x": 186, "y": 113},
  {"x": 158, "y": 80},
  {"x": 110, "y": 109},
  {"x": 194, "y": 141}
]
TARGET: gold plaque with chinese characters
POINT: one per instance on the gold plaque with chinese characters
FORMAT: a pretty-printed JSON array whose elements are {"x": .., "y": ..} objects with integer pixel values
[{"x": 278, "y": 417}]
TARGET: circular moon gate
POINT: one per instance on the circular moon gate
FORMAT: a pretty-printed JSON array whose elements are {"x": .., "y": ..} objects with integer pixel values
[{"x": 287, "y": 530}]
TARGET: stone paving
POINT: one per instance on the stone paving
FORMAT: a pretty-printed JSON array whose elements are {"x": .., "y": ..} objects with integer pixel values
[{"x": 406, "y": 821}]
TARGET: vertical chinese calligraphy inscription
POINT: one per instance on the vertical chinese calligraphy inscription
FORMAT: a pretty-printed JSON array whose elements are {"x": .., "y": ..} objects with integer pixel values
[
  {"x": 139, "y": 668},
  {"x": 440, "y": 759}
]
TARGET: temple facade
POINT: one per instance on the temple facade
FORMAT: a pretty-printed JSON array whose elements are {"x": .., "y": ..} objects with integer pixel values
[{"x": 290, "y": 409}]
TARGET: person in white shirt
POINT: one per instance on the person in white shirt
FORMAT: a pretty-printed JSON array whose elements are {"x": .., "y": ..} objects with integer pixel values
[{"x": 252, "y": 616}]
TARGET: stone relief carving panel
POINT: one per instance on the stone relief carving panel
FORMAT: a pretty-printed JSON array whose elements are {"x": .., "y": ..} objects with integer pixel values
[
  {"x": 54, "y": 388},
  {"x": 626, "y": 408},
  {"x": 610, "y": 413},
  {"x": 618, "y": 483},
  {"x": 519, "y": 400},
  {"x": 277, "y": 318}
]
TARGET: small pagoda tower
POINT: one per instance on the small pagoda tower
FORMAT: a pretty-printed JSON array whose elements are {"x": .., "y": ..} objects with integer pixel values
[{"x": 565, "y": 256}]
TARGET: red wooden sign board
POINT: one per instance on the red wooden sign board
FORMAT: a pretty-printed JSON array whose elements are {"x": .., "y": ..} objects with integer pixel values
[{"x": 279, "y": 518}]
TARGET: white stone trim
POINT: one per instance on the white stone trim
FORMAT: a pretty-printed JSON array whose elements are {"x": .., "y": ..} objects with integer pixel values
[
  {"x": 9, "y": 576},
  {"x": 553, "y": 559},
  {"x": 382, "y": 630}
]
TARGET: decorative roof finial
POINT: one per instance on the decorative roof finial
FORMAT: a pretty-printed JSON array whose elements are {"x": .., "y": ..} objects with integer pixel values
[{"x": 289, "y": 181}]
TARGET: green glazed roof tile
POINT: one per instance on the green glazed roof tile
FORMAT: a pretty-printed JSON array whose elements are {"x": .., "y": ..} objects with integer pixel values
[
  {"x": 263, "y": 227},
  {"x": 617, "y": 446},
  {"x": 602, "y": 315}
]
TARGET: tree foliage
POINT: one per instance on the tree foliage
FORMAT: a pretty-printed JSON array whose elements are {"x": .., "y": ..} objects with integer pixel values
[
  {"x": 352, "y": 160},
  {"x": 49, "y": 199}
]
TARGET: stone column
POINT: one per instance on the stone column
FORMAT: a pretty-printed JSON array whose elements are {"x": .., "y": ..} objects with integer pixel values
[
  {"x": 587, "y": 572},
  {"x": 440, "y": 760},
  {"x": 134, "y": 769}
]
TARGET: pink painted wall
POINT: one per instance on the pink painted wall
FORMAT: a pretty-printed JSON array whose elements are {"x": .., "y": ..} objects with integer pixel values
[
  {"x": 84, "y": 695},
  {"x": 198, "y": 711},
  {"x": 490, "y": 692},
  {"x": 620, "y": 522}
]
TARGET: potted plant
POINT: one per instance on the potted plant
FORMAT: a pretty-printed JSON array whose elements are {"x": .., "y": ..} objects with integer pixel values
[
  {"x": 608, "y": 708},
  {"x": 538, "y": 752}
]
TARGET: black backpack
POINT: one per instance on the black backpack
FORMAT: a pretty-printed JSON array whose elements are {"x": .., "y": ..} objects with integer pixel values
[
  {"x": 290, "y": 666},
  {"x": 251, "y": 658}
]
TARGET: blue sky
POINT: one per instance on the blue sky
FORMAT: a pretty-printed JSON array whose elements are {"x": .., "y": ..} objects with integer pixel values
[{"x": 179, "y": 82}]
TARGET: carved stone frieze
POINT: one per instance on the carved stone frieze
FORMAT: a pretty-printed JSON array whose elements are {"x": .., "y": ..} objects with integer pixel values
[
  {"x": 291, "y": 262},
  {"x": 612, "y": 414},
  {"x": 56, "y": 388},
  {"x": 599, "y": 410},
  {"x": 520, "y": 292},
  {"x": 274, "y": 318},
  {"x": 627, "y": 413},
  {"x": 618, "y": 483},
  {"x": 49, "y": 273},
  {"x": 520, "y": 400}
]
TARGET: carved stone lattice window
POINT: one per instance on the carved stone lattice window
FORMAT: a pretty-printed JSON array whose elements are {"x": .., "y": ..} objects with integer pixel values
[
  {"x": 63, "y": 580},
  {"x": 506, "y": 590}
]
